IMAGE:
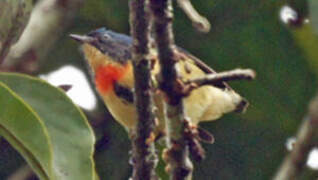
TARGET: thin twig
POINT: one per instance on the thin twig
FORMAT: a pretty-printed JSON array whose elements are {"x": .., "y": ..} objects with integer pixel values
[
  {"x": 177, "y": 154},
  {"x": 144, "y": 156},
  {"x": 211, "y": 79},
  {"x": 46, "y": 23},
  {"x": 199, "y": 22},
  {"x": 307, "y": 138}
]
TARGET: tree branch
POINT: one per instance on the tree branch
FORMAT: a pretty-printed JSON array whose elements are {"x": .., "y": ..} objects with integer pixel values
[
  {"x": 13, "y": 18},
  {"x": 211, "y": 79},
  {"x": 199, "y": 22},
  {"x": 144, "y": 156},
  {"x": 47, "y": 21},
  {"x": 176, "y": 156},
  {"x": 307, "y": 138}
]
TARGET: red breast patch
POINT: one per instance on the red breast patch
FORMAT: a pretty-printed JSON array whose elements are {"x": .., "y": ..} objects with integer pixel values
[{"x": 107, "y": 75}]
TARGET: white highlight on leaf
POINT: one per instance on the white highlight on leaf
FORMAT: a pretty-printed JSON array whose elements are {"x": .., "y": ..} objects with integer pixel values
[
  {"x": 306, "y": 21},
  {"x": 312, "y": 161},
  {"x": 81, "y": 92},
  {"x": 290, "y": 142},
  {"x": 287, "y": 14}
]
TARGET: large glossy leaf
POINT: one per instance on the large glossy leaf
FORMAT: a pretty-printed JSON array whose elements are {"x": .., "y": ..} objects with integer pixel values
[
  {"x": 25, "y": 131},
  {"x": 71, "y": 137}
]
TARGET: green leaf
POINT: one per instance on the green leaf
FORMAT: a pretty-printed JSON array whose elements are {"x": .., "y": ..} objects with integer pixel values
[
  {"x": 71, "y": 137},
  {"x": 25, "y": 132}
]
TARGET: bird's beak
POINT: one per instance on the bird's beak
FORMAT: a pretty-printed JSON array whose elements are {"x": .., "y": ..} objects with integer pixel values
[{"x": 82, "y": 39}]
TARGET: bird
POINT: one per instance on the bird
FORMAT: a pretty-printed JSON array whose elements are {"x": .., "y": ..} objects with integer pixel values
[{"x": 109, "y": 57}]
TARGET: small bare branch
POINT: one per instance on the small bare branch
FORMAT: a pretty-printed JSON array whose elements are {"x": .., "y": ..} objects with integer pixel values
[
  {"x": 211, "y": 79},
  {"x": 199, "y": 22},
  {"x": 307, "y": 138}
]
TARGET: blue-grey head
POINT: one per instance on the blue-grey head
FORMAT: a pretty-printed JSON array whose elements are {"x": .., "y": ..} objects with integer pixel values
[{"x": 115, "y": 45}]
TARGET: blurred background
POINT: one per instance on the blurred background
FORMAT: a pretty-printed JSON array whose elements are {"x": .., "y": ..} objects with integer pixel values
[{"x": 275, "y": 38}]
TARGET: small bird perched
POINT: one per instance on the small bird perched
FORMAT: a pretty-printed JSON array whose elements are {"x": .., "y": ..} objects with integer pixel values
[{"x": 109, "y": 56}]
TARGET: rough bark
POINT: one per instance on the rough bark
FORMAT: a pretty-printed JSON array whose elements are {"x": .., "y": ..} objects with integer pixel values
[
  {"x": 177, "y": 153},
  {"x": 144, "y": 156}
]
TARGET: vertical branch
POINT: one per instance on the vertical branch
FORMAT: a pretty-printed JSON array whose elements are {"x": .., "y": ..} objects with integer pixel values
[
  {"x": 307, "y": 138},
  {"x": 176, "y": 156},
  {"x": 144, "y": 157}
]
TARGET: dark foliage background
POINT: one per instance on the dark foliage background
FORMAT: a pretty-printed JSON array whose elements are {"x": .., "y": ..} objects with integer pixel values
[{"x": 247, "y": 34}]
